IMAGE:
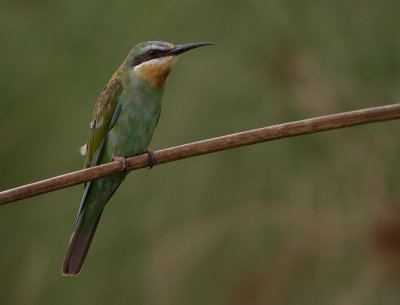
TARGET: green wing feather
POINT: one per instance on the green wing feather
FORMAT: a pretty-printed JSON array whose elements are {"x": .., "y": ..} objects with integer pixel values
[{"x": 105, "y": 114}]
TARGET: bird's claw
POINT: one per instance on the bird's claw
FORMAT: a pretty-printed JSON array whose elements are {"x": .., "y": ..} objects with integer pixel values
[
  {"x": 153, "y": 159},
  {"x": 124, "y": 163}
]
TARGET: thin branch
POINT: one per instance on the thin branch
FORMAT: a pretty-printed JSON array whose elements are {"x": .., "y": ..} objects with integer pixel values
[{"x": 291, "y": 129}]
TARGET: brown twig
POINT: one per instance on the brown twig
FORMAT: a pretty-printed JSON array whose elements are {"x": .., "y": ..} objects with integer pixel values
[{"x": 291, "y": 129}]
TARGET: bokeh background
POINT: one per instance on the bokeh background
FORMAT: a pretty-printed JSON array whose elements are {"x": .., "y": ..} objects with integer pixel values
[{"x": 307, "y": 220}]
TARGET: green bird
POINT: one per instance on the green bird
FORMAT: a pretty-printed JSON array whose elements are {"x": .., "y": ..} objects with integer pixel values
[{"x": 124, "y": 118}]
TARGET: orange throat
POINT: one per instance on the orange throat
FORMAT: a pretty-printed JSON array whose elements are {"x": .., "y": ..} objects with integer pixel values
[{"x": 155, "y": 71}]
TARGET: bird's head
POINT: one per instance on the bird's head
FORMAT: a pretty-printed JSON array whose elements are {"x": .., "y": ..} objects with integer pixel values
[{"x": 153, "y": 60}]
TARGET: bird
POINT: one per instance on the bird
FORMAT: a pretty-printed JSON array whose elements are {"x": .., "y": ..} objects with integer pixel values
[{"x": 124, "y": 118}]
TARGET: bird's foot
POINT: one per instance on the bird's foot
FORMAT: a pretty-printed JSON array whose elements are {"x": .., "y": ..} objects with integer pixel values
[
  {"x": 124, "y": 163},
  {"x": 153, "y": 159}
]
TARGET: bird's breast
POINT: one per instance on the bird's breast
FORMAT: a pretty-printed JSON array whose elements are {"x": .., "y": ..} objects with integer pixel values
[{"x": 132, "y": 133}]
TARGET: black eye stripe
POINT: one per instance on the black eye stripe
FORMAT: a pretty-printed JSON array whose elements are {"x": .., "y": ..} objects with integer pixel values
[{"x": 137, "y": 60}]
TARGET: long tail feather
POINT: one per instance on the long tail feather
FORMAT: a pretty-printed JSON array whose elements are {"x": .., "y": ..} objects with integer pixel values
[{"x": 78, "y": 249}]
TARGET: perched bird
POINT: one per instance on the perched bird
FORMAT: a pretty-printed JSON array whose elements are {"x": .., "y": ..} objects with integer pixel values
[{"x": 124, "y": 118}]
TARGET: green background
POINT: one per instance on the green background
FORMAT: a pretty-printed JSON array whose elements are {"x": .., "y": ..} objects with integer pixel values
[{"x": 307, "y": 220}]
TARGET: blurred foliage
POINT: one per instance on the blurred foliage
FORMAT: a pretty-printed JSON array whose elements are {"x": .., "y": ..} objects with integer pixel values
[{"x": 307, "y": 220}]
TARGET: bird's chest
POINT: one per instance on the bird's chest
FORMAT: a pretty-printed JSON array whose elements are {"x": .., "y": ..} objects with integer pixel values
[{"x": 132, "y": 133}]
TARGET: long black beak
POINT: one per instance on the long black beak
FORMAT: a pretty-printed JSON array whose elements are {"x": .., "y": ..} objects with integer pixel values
[{"x": 179, "y": 49}]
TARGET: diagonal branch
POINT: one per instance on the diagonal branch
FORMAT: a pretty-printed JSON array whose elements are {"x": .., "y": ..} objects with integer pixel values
[{"x": 333, "y": 121}]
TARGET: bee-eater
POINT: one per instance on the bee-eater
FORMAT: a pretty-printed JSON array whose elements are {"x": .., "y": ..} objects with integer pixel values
[{"x": 124, "y": 118}]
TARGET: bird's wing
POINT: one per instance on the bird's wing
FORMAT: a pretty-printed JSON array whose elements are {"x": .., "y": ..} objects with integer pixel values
[{"x": 105, "y": 115}]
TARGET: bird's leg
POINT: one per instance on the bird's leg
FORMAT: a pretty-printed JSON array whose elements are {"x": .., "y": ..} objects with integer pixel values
[
  {"x": 153, "y": 159},
  {"x": 124, "y": 163}
]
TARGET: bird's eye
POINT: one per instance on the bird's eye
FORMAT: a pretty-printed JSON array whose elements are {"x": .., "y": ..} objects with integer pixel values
[{"x": 151, "y": 52}]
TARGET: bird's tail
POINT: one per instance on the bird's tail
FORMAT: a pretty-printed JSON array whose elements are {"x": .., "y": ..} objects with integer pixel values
[{"x": 78, "y": 249}]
